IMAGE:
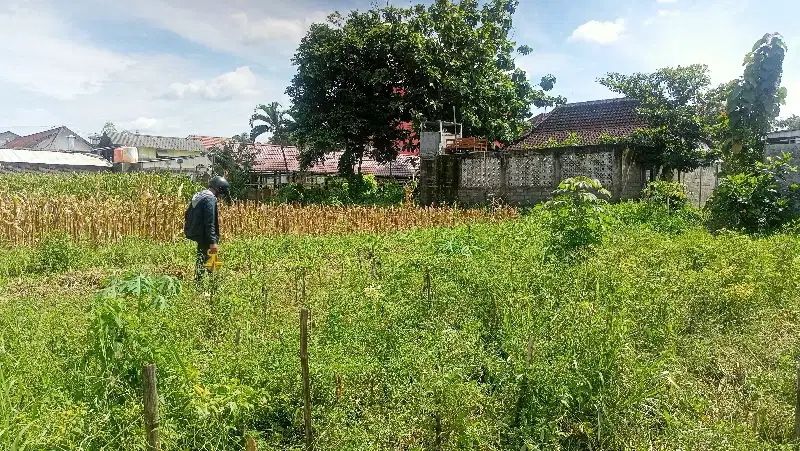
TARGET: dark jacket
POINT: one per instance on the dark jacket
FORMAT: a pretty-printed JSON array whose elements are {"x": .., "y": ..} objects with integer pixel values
[{"x": 202, "y": 218}]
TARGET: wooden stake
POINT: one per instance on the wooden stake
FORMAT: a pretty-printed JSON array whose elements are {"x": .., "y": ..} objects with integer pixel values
[
  {"x": 264, "y": 301},
  {"x": 306, "y": 382},
  {"x": 151, "y": 420},
  {"x": 797, "y": 406},
  {"x": 251, "y": 444},
  {"x": 529, "y": 357},
  {"x": 238, "y": 338}
]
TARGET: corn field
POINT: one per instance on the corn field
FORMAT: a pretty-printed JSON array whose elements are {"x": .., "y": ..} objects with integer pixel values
[{"x": 25, "y": 220}]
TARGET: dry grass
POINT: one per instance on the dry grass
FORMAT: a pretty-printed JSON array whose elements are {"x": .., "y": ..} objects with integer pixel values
[{"x": 103, "y": 220}]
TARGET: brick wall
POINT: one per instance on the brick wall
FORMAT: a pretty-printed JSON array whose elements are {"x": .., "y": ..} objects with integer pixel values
[{"x": 526, "y": 177}]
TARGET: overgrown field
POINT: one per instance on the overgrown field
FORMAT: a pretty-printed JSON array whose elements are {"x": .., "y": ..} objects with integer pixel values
[{"x": 666, "y": 337}]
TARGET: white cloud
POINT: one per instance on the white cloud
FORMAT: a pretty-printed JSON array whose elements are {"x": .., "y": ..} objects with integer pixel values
[
  {"x": 41, "y": 55},
  {"x": 668, "y": 13},
  {"x": 255, "y": 31},
  {"x": 599, "y": 32},
  {"x": 241, "y": 27},
  {"x": 694, "y": 39},
  {"x": 142, "y": 124},
  {"x": 241, "y": 82}
]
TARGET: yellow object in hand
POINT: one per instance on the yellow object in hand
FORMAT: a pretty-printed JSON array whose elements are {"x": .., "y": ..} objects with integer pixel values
[{"x": 213, "y": 264}]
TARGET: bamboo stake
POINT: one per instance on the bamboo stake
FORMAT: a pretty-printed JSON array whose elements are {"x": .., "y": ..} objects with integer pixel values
[{"x": 306, "y": 382}]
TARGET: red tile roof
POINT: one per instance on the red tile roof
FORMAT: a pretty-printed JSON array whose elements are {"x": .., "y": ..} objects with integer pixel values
[
  {"x": 589, "y": 120},
  {"x": 208, "y": 141},
  {"x": 270, "y": 158}
]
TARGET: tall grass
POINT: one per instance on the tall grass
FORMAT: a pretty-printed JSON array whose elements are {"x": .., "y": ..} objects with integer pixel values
[{"x": 657, "y": 339}]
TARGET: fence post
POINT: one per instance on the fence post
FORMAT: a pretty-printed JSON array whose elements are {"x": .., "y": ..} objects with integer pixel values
[
  {"x": 151, "y": 420},
  {"x": 797, "y": 405},
  {"x": 306, "y": 382}
]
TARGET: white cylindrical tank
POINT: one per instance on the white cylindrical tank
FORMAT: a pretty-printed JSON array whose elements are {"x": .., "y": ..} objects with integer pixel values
[{"x": 130, "y": 155}]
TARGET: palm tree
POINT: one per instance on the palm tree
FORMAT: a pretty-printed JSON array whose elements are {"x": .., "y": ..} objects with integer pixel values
[{"x": 273, "y": 119}]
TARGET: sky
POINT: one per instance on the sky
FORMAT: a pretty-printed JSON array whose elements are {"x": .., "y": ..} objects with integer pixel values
[{"x": 181, "y": 67}]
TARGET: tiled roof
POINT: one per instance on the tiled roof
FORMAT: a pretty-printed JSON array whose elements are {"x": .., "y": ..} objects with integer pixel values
[
  {"x": 589, "y": 120},
  {"x": 44, "y": 157},
  {"x": 42, "y": 140},
  {"x": 208, "y": 141},
  {"x": 126, "y": 139},
  {"x": 8, "y": 136},
  {"x": 269, "y": 158}
]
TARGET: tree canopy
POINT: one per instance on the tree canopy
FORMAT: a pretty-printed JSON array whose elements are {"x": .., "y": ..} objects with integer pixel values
[
  {"x": 754, "y": 103},
  {"x": 272, "y": 118},
  {"x": 789, "y": 123},
  {"x": 681, "y": 112},
  {"x": 361, "y": 76}
]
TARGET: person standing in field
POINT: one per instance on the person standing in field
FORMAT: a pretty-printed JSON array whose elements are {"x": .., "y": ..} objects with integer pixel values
[{"x": 202, "y": 221}]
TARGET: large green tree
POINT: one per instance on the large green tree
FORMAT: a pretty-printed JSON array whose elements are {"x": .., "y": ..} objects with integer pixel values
[
  {"x": 360, "y": 77},
  {"x": 754, "y": 103},
  {"x": 680, "y": 111}
]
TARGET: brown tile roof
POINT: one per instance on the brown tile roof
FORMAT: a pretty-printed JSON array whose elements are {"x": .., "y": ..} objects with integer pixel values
[
  {"x": 208, "y": 141},
  {"x": 269, "y": 158},
  {"x": 589, "y": 120},
  {"x": 126, "y": 139}
]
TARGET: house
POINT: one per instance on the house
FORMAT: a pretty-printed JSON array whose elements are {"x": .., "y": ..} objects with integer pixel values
[
  {"x": 6, "y": 137},
  {"x": 276, "y": 166},
  {"x": 24, "y": 160},
  {"x": 569, "y": 141},
  {"x": 574, "y": 139},
  {"x": 588, "y": 123},
  {"x": 59, "y": 139},
  {"x": 165, "y": 153}
]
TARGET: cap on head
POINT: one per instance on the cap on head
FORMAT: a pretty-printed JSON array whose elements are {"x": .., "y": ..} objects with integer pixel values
[{"x": 220, "y": 185}]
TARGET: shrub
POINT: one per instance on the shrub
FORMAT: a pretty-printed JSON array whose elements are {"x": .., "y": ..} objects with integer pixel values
[
  {"x": 576, "y": 217},
  {"x": 56, "y": 253},
  {"x": 760, "y": 201},
  {"x": 670, "y": 194}
]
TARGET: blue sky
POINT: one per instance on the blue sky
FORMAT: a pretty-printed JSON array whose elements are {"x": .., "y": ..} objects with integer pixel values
[{"x": 180, "y": 67}]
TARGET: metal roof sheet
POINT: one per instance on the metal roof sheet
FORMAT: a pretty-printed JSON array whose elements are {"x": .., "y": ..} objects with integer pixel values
[
  {"x": 46, "y": 157},
  {"x": 126, "y": 139}
]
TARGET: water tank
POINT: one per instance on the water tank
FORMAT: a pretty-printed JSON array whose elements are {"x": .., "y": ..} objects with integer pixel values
[{"x": 130, "y": 155}]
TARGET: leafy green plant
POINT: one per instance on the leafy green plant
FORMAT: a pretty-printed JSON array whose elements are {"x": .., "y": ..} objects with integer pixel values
[
  {"x": 56, "y": 253},
  {"x": 121, "y": 338},
  {"x": 576, "y": 217},
  {"x": 670, "y": 194},
  {"x": 760, "y": 201}
]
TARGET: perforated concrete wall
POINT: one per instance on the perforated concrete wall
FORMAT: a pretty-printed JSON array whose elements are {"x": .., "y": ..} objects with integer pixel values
[{"x": 526, "y": 177}]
